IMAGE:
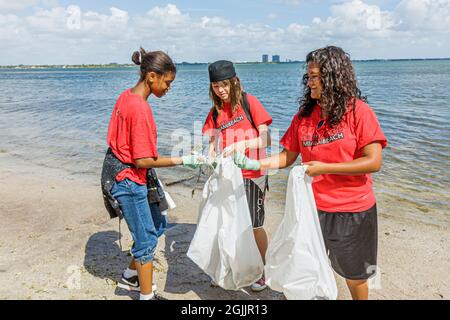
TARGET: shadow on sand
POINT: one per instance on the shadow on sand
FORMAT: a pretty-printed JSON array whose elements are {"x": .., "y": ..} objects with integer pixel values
[{"x": 104, "y": 259}]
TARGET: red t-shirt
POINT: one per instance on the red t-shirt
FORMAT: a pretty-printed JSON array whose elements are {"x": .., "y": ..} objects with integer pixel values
[
  {"x": 235, "y": 127},
  {"x": 132, "y": 134},
  {"x": 342, "y": 143}
]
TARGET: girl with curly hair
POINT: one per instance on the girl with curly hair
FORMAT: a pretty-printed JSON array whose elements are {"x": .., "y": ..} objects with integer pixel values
[{"x": 340, "y": 140}]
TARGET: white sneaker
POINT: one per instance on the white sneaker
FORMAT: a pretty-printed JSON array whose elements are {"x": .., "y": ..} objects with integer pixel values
[
  {"x": 132, "y": 284},
  {"x": 259, "y": 285}
]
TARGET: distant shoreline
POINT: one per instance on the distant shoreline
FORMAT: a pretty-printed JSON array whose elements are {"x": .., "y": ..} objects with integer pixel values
[{"x": 119, "y": 65}]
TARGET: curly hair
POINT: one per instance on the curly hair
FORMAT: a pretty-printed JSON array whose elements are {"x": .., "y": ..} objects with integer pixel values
[{"x": 339, "y": 86}]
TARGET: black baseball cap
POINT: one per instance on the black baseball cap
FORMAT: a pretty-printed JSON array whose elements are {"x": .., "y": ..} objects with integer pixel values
[{"x": 221, "y": 70}]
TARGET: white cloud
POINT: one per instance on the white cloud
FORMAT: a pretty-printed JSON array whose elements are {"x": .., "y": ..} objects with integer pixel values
[
  {"x": 15, "y": 6},
  {"x": 423, "y": 15},
  {"x": 87, "y": 36},
  {"x": 11, "y": 28},
  {"x": 168, "y": 19},
  {"x": 371, "y": 32},
  {"x": 9, "y": 6},
  {"x": 354, "y": 19}
]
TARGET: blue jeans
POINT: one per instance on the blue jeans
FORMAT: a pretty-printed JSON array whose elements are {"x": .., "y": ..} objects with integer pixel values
[{"x": 144, "y": 220}]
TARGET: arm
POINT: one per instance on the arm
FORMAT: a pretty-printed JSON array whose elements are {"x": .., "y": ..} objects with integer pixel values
[
  {"x": 369, "y": 162},
  {"x": 279, "y": 161},
  {"x": 262, "y": 141},
  {"x": 158, "y": 162},
  {"x": 212, "y": 147},
  {"x": 282, "y": 160}
]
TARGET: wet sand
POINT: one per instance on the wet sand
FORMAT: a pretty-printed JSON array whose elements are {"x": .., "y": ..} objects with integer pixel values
[{"x": 57, "y": 242}]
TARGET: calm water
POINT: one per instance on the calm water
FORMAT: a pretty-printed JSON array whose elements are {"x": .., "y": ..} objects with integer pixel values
[{"x": 59, "y": 118}]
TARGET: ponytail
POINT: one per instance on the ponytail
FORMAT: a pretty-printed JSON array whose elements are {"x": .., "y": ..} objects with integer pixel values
[{"x": 153, "y": 61}]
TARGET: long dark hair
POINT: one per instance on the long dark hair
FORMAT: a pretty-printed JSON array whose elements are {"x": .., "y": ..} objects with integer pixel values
[
  {"x": 156, "y": 61},
  {"x": 236, "y": 91},
  {"x": 339, "y": 86}
]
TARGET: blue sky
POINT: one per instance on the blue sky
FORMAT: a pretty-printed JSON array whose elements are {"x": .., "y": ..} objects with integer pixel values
[
  {"x": 248, "y": 12},
  {"x": 80, "y": 31}
]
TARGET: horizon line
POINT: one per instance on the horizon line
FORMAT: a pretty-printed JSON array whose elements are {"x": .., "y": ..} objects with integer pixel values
[{"x": 205, "y": 63}]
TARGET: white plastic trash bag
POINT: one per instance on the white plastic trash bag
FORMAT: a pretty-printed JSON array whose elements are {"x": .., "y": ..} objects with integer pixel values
[
  {"x": 296, "y": 259},
  {"x": 169, "y": 200},
  {"x": 224, "y": 246}
]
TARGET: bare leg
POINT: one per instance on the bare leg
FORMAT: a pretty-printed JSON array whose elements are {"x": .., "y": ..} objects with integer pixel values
[
  {"x": 132, "y": 264},
  {"x": 359, "y": 289},
  {"x": 261, "y": 242},
  {"x": 145, "y": 274}
]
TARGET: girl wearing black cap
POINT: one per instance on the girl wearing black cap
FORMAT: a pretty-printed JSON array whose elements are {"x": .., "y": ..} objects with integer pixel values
[{"x": 241, "y": 123}]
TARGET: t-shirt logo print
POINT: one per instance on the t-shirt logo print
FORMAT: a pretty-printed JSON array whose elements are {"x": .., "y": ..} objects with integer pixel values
[
  {"x": 325, "y": 140},
  {"x": 231, "y": 123}
]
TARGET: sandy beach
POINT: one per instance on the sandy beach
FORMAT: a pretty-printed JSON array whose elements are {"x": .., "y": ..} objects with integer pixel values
[{"x": 57, "y": 242}]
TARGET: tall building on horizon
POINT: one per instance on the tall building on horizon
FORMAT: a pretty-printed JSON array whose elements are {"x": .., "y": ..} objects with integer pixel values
[
  {"x": 276, "y": 58},
  {"x": 265, "y": 58}
]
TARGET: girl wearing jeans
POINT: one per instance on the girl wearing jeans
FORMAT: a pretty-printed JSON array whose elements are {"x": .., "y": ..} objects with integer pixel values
[{"x": 132, "y": 138}]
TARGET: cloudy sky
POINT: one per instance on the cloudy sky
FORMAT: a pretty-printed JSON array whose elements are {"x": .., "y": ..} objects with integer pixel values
[{"x": 103, "y": 31}]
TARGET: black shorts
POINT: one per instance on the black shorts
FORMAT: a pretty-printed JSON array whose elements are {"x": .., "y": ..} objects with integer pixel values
[
  {"x": 255, "y": 197},
  {"x": 351, "y": 239}
]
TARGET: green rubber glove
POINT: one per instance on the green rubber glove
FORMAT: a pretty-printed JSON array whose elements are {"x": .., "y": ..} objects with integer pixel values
[
  {"x": 245, "y": 163},
  {"x": 192, "y": 161}
]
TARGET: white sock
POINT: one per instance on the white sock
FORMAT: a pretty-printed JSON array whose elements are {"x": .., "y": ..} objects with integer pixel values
[
  {"x": 146, "y": 296},
  {"x": 130, "y": 273}
]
